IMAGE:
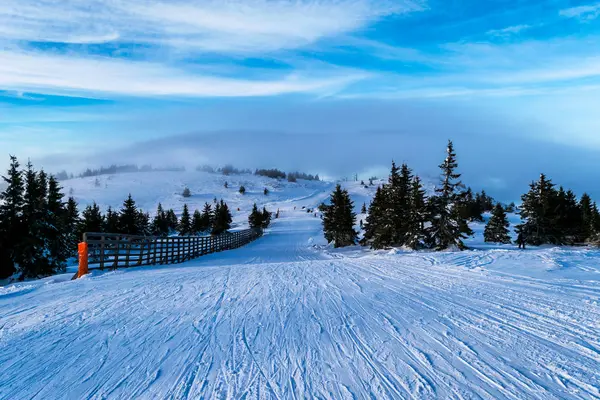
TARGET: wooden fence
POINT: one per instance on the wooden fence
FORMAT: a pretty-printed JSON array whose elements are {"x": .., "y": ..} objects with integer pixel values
[{"x": 111, "y": 250}]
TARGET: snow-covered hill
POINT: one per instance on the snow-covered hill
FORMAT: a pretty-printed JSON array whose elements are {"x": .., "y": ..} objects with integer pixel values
[{"x": 286, "y": 317}]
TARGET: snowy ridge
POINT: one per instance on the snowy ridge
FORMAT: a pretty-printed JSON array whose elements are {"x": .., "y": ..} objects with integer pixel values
[{"x": 287, "y": 317}]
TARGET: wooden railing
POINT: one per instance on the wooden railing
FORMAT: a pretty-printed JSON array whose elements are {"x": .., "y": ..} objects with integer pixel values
[{"x": 111, "y": 250}]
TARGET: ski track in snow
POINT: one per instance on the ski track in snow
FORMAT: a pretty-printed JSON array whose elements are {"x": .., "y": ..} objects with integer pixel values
[{"x": 280, "y": 319}]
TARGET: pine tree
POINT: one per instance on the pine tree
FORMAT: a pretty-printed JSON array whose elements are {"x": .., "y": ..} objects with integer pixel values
[
  {"x": 255, "y": 219},
  {"x": 196, "y": 222},
  {"x": 363, "y": 209},
  {"x": 160, "y": 222},
  {"x": 143, "y": 223},
  {"x": 339, "y": 219},
  {"x": 71, "y": 225},
  {"x": 91, "y": 220},
  {"x": 128, "y": 217},
  {"x": 416, "y": 235},
  {"x": 266, "y": 192},
  {"x": 538, "y": 211},
  {"x": 186, "y": 192},
  {"x": 568, "y": 219},
  {"x": 222, "y": 218},
  {"x": 111, "y": 221},
  {"x": 448, "y": 227},
  {"x": 12, "y": 226},
  {"x": 172, "y": 221},
  {"x": 595, "y": 223},
  {"x": 207, "y": 218},
  {"x": 471, "y": 207},
  {"x": 55, "y": 230},
  {"x": 378, "y": 227},
  {"x": 242, "y": 189},
  {"x": 400, "y": 202},
  {"x": 31, "y": 249},
  {"x": 185, "y": 223},
  {"x": 486, "y": 203},
  {"x": 588, "y": 230},
  {"x": 266, "y": 218},
  {"x": 496, "y": 230}
]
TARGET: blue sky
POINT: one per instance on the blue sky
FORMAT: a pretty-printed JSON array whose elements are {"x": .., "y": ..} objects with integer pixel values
[{"x": 82, "y": 79}]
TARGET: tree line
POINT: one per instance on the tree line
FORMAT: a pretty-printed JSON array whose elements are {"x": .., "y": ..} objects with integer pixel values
[
  {"x": 39, "y": 231},
  {"x": 401, "y": 214},
  {"x": 114, "y": 169},
  {"x": 290, "y": 176}
]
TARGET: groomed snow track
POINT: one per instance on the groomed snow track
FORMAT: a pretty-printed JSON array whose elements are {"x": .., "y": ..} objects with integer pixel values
[{"x": 279, "y": 319}]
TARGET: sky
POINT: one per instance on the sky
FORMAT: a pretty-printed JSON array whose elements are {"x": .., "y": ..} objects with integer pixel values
[{"x": 335, "y": 87}]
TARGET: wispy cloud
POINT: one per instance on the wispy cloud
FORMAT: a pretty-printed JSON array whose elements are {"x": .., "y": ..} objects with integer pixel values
[
  {"x": 584, "y": 13},
  {"x": 511, "y": 30},
  {"x": 209, "y": 25},
  {"x": 101, "y": 76}
]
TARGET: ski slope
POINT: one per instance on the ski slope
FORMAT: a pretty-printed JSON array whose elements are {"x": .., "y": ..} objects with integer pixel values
[{"x": 289, "y": 318}]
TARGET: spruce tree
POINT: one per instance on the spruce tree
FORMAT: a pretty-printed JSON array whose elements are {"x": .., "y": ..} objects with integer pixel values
[
  {"x": 172, "y": 221},
  {"x": 266, "y": 218},
  {"x": 71, "y": 224},
  {"x": 242, "y": 189},
  {"x": 160, "y": 223},
  {"x": 31, "y": 249},
  {"x": 416, "y": 235},
  {"x": 496, "y": 230},
  {"x": 339, "y": 219},
  {"x": 91, "y": 220},
  {"x": 207, "y": 218},
  {"x": 196, "y": 222},
  {"x": 363, "y": 209},
  {"x": 56, "y": 230},
  {"x": 538, "y": 212},
  {"x": 128, "y": 217},
  {"x": 266, "y": 192},
  {"x": 12, "y": 226},
  {"x": 185, "y": 223},
  {"x": 143, "y": 223},
  {"x": 222, "y": 218},
  {"x": 378, "y": 227},
  {"x": 255, "y": 219},
  {"x": 448, "y": 227},
  {"x": 111, "y": 221},
  {"x": 588, "y": 230},
  {"x": 471, "y": 207}
]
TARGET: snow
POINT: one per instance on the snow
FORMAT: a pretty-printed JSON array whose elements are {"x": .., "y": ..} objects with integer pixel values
[{"x": 289, "y": 317}]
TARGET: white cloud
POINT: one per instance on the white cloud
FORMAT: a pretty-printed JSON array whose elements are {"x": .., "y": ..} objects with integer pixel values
[
  {"x": 105, "y": 77},
  {"x": 213, "y": 25},
  {"x": 511, "y": 30},
  {"x": 584, "y": 13}
]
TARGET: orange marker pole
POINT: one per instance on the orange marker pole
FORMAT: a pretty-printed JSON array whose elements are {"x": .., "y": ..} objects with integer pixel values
[{"x": 83, "y": 259}]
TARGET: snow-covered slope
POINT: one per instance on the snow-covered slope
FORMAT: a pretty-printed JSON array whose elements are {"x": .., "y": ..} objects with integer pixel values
[
  {"x": 150, "y": 188},
  {"x": 285, "y": 317}
]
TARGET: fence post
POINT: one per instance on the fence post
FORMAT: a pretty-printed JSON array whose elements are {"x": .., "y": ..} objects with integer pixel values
[{"x": 83, "y": 259}]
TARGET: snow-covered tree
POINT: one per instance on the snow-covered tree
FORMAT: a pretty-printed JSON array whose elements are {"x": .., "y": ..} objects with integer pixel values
[
  {"x": 185, "y": 223},
  {"x": 339, "y": 219},
  {"x": 378, "y": 227},
  {"x": 496, "y": 230},
  {"x": 128, "y": 217},
  {"x": 12, "y": 225},
  {"x": 222, "y": 218},
  {"x": 416, "y": 235},
  {"x": 111, "y": 221},
  {"x": 448, "y": 228},
  {"x": 255, "y": 218}
]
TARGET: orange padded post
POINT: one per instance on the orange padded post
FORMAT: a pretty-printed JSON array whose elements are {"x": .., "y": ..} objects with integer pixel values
[{"x": 83, "y": 259}]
